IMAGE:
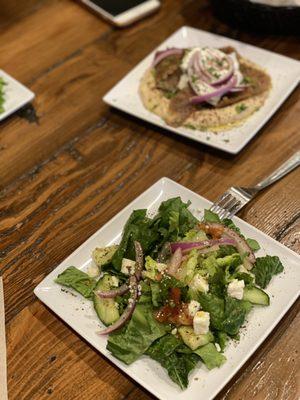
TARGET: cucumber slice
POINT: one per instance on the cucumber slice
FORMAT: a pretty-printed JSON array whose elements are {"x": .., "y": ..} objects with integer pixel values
[
  {"x": 192, "y": 340},
  {"x": 106, "y": 309},
  {"x": 256, "y": 296}
]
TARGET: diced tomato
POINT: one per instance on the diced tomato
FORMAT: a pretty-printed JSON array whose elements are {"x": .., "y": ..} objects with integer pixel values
[
  {"x": 177, "y": 315},
  {"x": 158, "y": 276},
  {"x": 175, "y": 295},
  {"x": 215, "y": 231}
]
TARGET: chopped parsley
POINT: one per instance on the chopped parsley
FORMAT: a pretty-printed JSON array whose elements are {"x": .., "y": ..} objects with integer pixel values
[
  {"x": 190, "y": 126},
  {"x": 169, "y": 95},
  {"x": 240, "y": 108},
  {"x": 247, "y": 80}
]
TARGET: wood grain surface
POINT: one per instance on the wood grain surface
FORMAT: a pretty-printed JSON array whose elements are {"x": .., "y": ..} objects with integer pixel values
[{"x": 66, "y": 174}]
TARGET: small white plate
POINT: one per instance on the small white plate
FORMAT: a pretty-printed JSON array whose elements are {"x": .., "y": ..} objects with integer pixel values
[
  {"x": 284, "y": 71},
  {"x": 16, "y": 95},
  {"x": 80, "y": 315}
]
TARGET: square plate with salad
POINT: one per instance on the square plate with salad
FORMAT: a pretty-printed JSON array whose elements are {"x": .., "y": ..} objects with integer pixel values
[
  {"x": 13, "y": 95},
  {"x": 174, "y": 297},
  {"x": 207, "y": 87}
]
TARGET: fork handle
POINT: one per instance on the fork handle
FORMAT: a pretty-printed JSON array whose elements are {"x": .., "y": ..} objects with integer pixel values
[{"x": 284, "y": 169}]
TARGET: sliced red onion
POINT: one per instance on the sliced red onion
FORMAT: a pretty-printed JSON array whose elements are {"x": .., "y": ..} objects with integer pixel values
[
  {"x": 209, "y": 249},
  {"x": 241, "y": 244},
  {"x": 186, "y": 246},
  {"x": 128, "y": 311},
  {"x": 164, "y": 253},
  {"x": 110, "y": 294},
  {"x": 175, "y": 262},
  {"x": 160, "y": 55},
  {"x": 139, "y": 258},
  {"x": 218, "y": 92}
]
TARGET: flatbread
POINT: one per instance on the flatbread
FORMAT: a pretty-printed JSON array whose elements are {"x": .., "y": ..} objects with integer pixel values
[{"x": 213, "y": 119}]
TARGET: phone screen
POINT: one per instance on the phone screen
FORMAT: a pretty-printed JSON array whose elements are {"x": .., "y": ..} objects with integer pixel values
[{"x": 116, "y": 7}]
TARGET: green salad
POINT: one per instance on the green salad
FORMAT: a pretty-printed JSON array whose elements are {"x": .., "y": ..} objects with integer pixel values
[
  {"x": 175, "y": 289},
  {"x": 2, "y": 100}
]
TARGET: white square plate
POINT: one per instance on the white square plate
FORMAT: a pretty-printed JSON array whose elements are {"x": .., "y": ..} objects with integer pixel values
[
  {"x": 16, "y": 95},
  {"x": 283, "y": 291},
  {"x": 284, "y": 71}
]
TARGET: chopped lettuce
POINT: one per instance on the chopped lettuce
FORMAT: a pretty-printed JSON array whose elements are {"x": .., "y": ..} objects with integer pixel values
[
  {"x": 265, "y": 268},
  {"x": 172, "y": 222},
  {"x": 138, "y": 227},
  {"x": 151, "y": 268},
  {"x": 210, "y": 216},
  {"x": 222, "y": 339},
  {"x": 77, "y": 280},
  {"x": 103, "y": 255},
  {"x": 226, "y": 314},
  {"x": 188, "y": 267},
  {"x": 210, "y": 356},
  {"x": 173, "y": 219},
  {"x": 129, "y": 343},
  {"x": 178, "y": 364},
  {"x": 195, "y": 235}
]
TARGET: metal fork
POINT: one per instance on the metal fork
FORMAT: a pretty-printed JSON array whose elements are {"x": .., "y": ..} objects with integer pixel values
[{"x": 235, "y": 198}]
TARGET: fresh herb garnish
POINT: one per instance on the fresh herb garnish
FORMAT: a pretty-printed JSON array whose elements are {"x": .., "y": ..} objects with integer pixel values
[{"x": 240, "y": 108}]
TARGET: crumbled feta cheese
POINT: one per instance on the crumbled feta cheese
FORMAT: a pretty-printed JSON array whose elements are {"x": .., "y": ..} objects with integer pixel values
[
  {"x": 93, "y": 271},
  {"x": 174, "y": 331},
  {"x": 218, "y": 347},
  {"x": 201, "y": 322},
  {"x": 235, "y": 289},
  {"x": 161, "y": 267},
  {"x": 199, "y": 283},
  {"x": 114, "y": 281},
  {"x": 193, "y": 307},
  {"x": 183, "y": 82},
  {"x": 128, "y": 266},
  {"x": 187, "y": 58}
]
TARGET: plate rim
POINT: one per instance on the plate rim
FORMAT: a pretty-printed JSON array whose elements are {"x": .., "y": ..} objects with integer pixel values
[
  {"x": 235, "y": 149},
  {"x": 38, "y": 291}
]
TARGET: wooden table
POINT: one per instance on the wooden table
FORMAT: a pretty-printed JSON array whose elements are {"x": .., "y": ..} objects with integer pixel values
[{"x": 66, "y": 173}]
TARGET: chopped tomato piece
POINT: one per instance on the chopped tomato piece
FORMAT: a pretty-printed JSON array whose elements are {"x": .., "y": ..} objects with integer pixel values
[
  {"x": 175, "y": 295},
  {"x": 215, "y": 231}
]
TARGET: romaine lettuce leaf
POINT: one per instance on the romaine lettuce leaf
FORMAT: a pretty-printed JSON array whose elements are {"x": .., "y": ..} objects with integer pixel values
[
  {"x": 226, "y": 314},
  {"x": 178, "y": 364},
  {"x": 172, "y": 222},
  {"x": 138, "y": 227},
  {"x": 210, "y": 356},
  {"x": 129, "y": 343},
  {"x": 265, "y": 268},
  {"x": 77, "y": 280},
  {"x": 210, "y": 216}
]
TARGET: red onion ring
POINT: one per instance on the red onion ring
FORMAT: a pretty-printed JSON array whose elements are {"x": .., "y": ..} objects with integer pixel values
[
  {"x": 241, "y": 244},
  {"x": 128, "y": 311},
  {"x": 220, "y": 80},
  {"x": 186, "y": 246},
  {"x": 160, "y": 55},
  {"x": 110, "y": 294},
  {"x": 139, "y": 258},
  {"x": 218, "y": 92}
]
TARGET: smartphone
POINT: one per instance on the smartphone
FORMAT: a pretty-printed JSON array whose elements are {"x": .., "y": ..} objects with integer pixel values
[{"x": 123, "y": 12}]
